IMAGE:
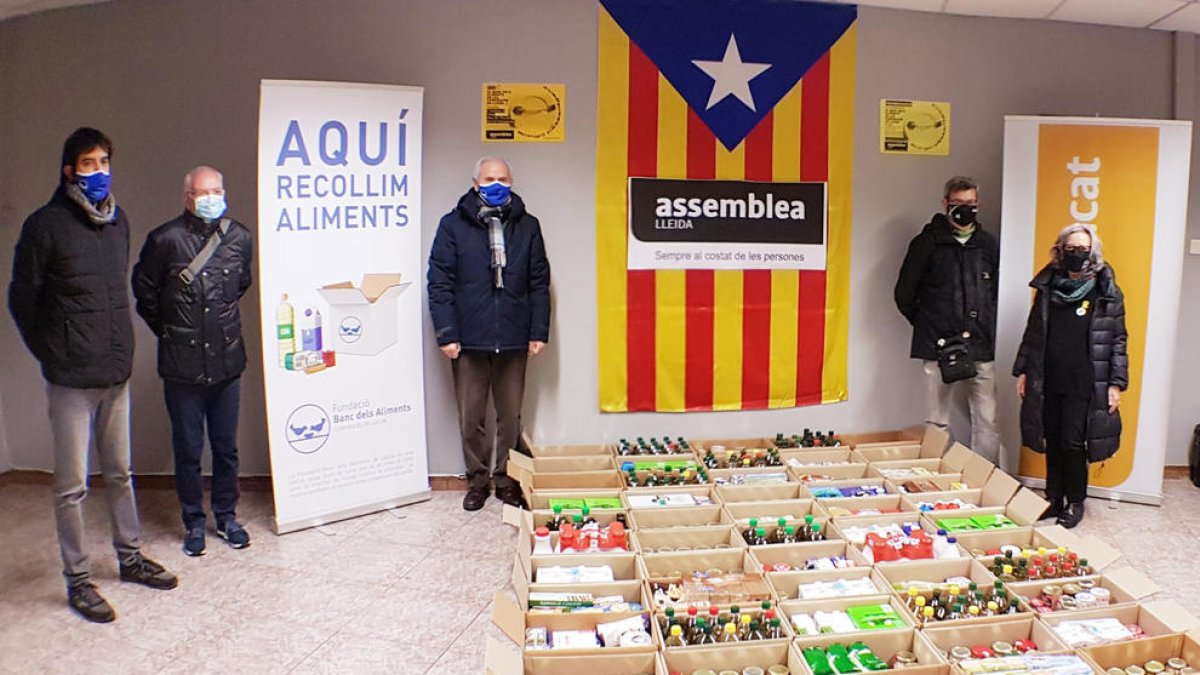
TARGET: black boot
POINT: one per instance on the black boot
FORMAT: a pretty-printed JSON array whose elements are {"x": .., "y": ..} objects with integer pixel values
[
  {"x": 1056, "y": 506},
  {"x": 1071, "y": 516}
]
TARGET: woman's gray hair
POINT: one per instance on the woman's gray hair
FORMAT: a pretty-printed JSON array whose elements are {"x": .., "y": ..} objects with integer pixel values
[{"x": 1095, "y": 260}]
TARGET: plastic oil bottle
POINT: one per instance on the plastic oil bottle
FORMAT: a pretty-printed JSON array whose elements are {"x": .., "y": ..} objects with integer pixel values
[{"x": 285, "y": 329}]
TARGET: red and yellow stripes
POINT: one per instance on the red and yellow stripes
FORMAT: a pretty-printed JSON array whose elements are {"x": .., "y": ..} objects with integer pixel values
[{"x": 719, "y": 340}]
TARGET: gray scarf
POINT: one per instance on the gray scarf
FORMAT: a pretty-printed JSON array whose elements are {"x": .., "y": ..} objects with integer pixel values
[
  {"x": 100, "y": 214},
  {"x": 492, "y": 216}
]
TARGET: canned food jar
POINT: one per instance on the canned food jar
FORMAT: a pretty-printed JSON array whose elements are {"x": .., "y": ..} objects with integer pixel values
[
  {"x": 778, "y": 669},
  {"x": 1154, "y": 667},
  {"x": 1002, "y": 648},
  {"x": 1102, "y": 596},
  {"x": 1134, "y": 670},
  {"x": 752, "y": 670},
  {"x": 705, "y": 671},
  {"x": 904, "y": 660},
  {"x": 959, "y": 654},
  {"x": 1116, "y": 671},
  {"x": 1177, "y": 664}
]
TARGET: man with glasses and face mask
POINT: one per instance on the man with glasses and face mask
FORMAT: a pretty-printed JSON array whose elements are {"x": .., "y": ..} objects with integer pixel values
[
  {"x": 70, "y": 301},
  {"x": 947, "y": 291},
  {"x": 188, "y": 280}
]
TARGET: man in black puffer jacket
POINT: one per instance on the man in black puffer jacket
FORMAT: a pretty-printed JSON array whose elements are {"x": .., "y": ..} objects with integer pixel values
[
  {"x": 189, "y": 278},
  {"x": 947, "y": 288},
  {"x": 70, "y": 300},
  {"x": 489, "y": 298}
]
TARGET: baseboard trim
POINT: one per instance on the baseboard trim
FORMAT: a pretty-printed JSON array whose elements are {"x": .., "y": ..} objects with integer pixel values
[{"x": 158, "y": 481}]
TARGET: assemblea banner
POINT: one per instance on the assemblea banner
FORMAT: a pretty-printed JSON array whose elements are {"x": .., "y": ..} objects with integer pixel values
[
  {"x": 339, "y": 199},
  {"x": 1129, "y": 179},
  {"x": 723, "y": 196}
]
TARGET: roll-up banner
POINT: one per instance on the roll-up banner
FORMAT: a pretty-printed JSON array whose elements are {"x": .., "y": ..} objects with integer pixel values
[
  {"x": 339, "y": 213},
  {"x": 1129, "y": 179}
]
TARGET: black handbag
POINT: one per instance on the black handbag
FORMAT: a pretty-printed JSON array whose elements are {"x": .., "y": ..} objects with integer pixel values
[{"x": 954, "y": 358}]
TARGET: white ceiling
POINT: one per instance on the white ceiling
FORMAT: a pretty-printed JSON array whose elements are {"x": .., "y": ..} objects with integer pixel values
[{"x": 1172, "y": 15}]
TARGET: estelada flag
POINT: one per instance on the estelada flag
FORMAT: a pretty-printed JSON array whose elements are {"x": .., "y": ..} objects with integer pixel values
[{"x": 692, "y": 340}]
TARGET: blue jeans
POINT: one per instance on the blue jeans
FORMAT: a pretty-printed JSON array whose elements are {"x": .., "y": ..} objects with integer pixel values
[{"x": 192, "y": 407}]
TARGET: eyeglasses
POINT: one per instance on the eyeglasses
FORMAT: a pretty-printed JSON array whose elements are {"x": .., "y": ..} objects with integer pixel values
[{"x": 1077, "y": 249}]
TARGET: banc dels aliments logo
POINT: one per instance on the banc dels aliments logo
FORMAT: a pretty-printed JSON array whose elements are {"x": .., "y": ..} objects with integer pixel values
[
  {"x": 308, "y": 428},
  {"x": 350, "y": 329}
]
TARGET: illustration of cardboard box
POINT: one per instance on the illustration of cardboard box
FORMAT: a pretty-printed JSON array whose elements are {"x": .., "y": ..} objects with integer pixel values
[{"x": 363, "y": 319}]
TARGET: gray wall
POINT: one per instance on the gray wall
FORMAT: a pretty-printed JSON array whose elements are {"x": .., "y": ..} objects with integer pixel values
[{"x": 171, "y": 99}]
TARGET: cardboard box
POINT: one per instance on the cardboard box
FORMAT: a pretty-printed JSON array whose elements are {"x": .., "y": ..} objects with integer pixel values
[
  {"x": 843, "y": 526},
  {"x": 632, "y": 590},
  {"x": 624, "y": 565},
  {"x": 1157, "y": 617},
  {"x": 787, "y": 584},
  {"x": 525, "y": 442},
  {"x": 997, "y": 491},
  {"x": 661, "y": 569},
  {"x": 755, "y": 611},
  {"x": 813, "y": 458},
  {"x": 735, "y": 657},
  {"x": 543, "y": 499},
  {"x": 1119, "y": 655},
  {"x": 683, "y": 516},
  {"x": 730, "y": 494},
  {"x": 519, "y": 463},
  {"x": 1027, "y": 627},
  {"x": 957, "y": 461},
  {"x": 670, "y": 497},
  {"x": 1025, "y": 508},
  {"x": 771, "y": 509},
  {"x": 790, "y": 607},
  {"x": 1098, "y": 554},
  {"x": 501, "y": 661},
  {"x": 932, "y": 444},
  {"x": 851, "y": 506},
  {"x": 644, "y": 465},
  {"x": 796, "y": 555},
  {"x": 1125, "y": 586},
  {"x": 896, "y": 576},
  {"x": 814, "y": 486},
  {"x": 816, "y": 475},
  {"x": 364, "y": 318},
  {"x": 885, "y": 645},
  {"x": 909, "y": 434},
  {"x": 668, "y": 540},
  {"x": 509, "y": 618},
  {"x": 745, "y": 477}
]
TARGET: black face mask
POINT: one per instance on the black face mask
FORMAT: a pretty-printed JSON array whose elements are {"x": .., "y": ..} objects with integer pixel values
[
  {"x": 963, "y": 215},
  {"x": 1075, "y": 261}
]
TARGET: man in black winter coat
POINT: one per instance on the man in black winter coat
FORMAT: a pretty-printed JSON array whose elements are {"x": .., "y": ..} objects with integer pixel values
[
  {"x": 70, "y": 300},
  {"x": 489, "y": 298},
  {"x": 947, "y": 291},
  {"x": 188, "y": 280}
]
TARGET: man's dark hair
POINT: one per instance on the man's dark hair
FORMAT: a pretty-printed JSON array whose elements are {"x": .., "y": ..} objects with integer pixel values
[
  {"x": 958, "y": 184},
  {"x": 82, "y": 141}
]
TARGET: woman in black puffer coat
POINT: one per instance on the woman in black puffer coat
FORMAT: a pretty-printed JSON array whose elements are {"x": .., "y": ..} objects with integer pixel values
[{"x": 1072, "y": 367}]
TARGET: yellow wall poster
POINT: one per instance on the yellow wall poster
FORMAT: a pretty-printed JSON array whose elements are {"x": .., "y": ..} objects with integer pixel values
[
  {"x": 529, "y": 113},
  {"x": 914, "y": 127}
]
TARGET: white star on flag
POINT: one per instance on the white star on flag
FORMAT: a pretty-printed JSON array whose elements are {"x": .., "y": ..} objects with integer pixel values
[{"x": 731, "y": 76}]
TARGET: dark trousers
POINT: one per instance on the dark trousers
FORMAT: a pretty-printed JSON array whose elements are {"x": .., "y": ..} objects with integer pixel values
[
  {"x": 476, "y": 374},
  {"x": 192, "y": 408},
  {"x": 1065, "y": 419}
]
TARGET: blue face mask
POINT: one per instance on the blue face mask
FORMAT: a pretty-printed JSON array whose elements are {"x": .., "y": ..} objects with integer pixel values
[
  {"x": 95, "y": 185},
  {"x": 495, "y": 194},
  {"x": 210, "y": 207}
]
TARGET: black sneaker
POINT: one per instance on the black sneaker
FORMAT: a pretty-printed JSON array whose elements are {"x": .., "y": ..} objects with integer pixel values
[
  {"x": 146, "y": 572},
  {"x": 193, "y": 542},
  {"x": 88, "y": 603},
  {"x": 475, "y": 498},
  {"x": 234, "y": 534},
  {"x": 512, "y": 496},
  {"x": 1071, "y": 516}
]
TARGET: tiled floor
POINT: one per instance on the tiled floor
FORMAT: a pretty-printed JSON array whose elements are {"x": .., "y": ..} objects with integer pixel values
[{"x": 408, "y": 592}]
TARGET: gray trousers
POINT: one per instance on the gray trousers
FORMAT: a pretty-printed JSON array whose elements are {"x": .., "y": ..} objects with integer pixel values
[
  {"x": 981, "y": 396},
  {"x": 77, "y": 417},
  {"x": 476, "y": 374}
]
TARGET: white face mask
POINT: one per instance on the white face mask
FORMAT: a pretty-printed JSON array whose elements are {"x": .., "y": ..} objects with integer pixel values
[{"x": 210, "y": 207}]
